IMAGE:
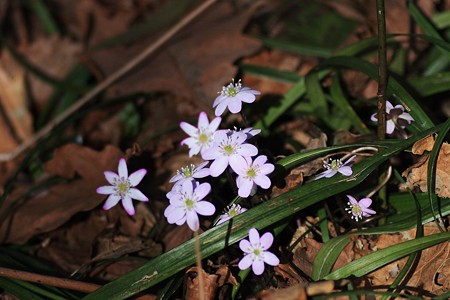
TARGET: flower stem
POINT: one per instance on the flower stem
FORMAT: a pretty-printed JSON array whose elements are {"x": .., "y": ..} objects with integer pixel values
[
  {"x": 198, "y": 256},
  {"x": 382, "y": 70}
]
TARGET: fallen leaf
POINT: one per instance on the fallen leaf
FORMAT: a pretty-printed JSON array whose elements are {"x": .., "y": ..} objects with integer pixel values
[{"x": 54, "y": 206}]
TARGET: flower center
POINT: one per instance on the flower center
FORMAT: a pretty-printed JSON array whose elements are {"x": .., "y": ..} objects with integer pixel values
[
  {"x": 122, "y": 187},
  {"x": 335, "y": 164},
  {"x": 190, "y": 203},
  {"x": 251, "y": 173},
  {"x": 187, "y": 172},
  {"x": 232, "y": 89},
  {"x": 356, "y": 210}
]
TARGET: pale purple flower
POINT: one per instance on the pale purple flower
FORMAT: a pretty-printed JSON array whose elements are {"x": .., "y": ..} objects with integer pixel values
[
  {"x": 122, "y": 188},
  {"x": 395, "y": 117},
  {"x": 200, "y": 137},
  {"x": 226, "y": 148},
  {"x": 186, "y": 203},
  {"x": 232, "y": 97},
  {"x": 232, "y": 211},
  {"x": 190, "y": 172},
  {"x": 250, "y": 132},
  {"x": 334, "y": 166},
  {"x": 255, "y": 252},
  {"x": 251, "y": 173},
  {"x": 359, "y": 209}
]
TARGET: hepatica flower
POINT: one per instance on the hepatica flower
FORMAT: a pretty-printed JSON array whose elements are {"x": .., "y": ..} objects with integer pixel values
[
  {"x": 123, "y": 188},
  {"x": 227, "y": 147},
  {"x": 336, "y": 166},
  {"x": 232, "y": 96},
  {"x": 186, "y": 203},
  {"x": 200, "y": 137},
  {"x": 396, "y": 117},
  {"x": 359, "y": 209},
  {"x": 251, "y": 173},
  {"x": 190, "y": 173},
  {"x": 232, "y": 211},
  {"x": 256, "y": 254}
]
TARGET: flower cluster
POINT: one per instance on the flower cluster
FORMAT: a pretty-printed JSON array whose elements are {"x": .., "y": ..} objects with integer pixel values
[{"x": 396, "y": 117}]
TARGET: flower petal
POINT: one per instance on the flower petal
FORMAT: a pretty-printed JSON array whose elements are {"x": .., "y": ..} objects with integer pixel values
[
  {"x": 238, "y": 164},
  {"x": 266, "y": 240},
  {"x": 245, "y": 246},
  {"x": 218, "y": 166},
  {"x": 138, "y": 195},
  {"x": 111, "y": 177},
  {"x": 365, "y": 202},
  {"x": 258, "y": 267},
  {"x": 203, "y": 121},
  {"x": 221, "y": 107},
  {"x": 202, "y": 190},
  {"x": 235, "y": 105},
  {"x": 253, "y": 236},
  {"x": 205, "y": 208},
  {"x": 188, "y": 128},
  {"x": 192, "y": 220},
  {"x": 127, "y": 204},
  {"x": 245, "y": 187},
  {"x": 263, "y": 181},
  {"x": 106, "y": 190},
  {"x": 271, "y": 259},
  {"x": 137, "y": 176},
  {"x": 247, "y": 150},
  {"x": 345, "y": 170},
  {"x": 111, "y": 201},
  {"x": 352, "y": 199},
  {"x": 390, "y": 126},
  {"x": 214, "y": 124},
  {"x": 374, "y": 118},
  {"x": 123, "y": 169},
  {"x": 245, "y": 262},
  {"x": 246, "y": 97}
]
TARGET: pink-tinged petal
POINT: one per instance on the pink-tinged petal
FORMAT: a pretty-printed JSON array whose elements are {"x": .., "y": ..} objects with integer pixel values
[
  {"x": 203, "y": 121},
  {"x": 266, "y": 169},
  {"x": 346, "y": 170},
  {"x": 187, "y": 187},
  {"x": 247, "y": 150},
  {"x": 245, "y": 187},
  {"x": 205, "y": 208},
  {"x": 106, "y": 190},
  {"x": 246, "y": 97},
  {"x": 210, "y": 154},
  {"x": 221, "y": 107},
  {"x": 215, "y": 124},
  {"x": 127, "y": 204},
  {"x": 192, "y": 220},
  {"x": 365, "y": 202},
  {"x": 258, "y": 267},
  {"x": 374, "y": 117},
  {"x": 266, "y": 240},
  {"x": 253, "y": 236},
  {"x": 263, "y": 181},
  {"x": 245, "y": 246},
  {"x": 260, "y": 160},
  {"x": 367, "y": 212},
  {"x": 390, "y": 126},
  {"x": 188, "y": 128},
  {"x": 138, "y": 195},
  {"x": 271, "y": 259},
  {"x": 389, "y": 106},
  {"x": 202, "y": 190},
  {"x": 123, "y": 169},
  {"x": 111, "y": 177},
  {"x": 201, "y": 173},
  {"x": 406, "y": 116},
  {"x": 218, "y": 166},
  {"x": 111, "y": 201},
  {"x": 235, "y": 106},
  {"x": 218, "y": 100},
  {"x": 352, "y": 199},
  {"x": 245, "y": 262},
  {"x": 169, "y": 210},
  {"x": 238, "y": 164},
  {"x": 190, "y": 142},
  {"x": 137, "y": 176}
]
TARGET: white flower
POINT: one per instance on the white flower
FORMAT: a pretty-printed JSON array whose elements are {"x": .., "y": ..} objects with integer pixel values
[
  {"x": 255, "y": 252},
  {"x": 232, "y": 97},
  {"x": 122, "y": 188},
  {"x": 190, "y": 172},
  {"x": 200, "y": 137},
  {"x": 233, "y": 210},
  {"x": 395, "y": 117},
  {"x": 226, "y": 147},
  {"x": 251, "y": 173},
  {"x": 186, "y": 203},
  {"x": 360, "y": 208},
  {"x": 335, "y": 166}
]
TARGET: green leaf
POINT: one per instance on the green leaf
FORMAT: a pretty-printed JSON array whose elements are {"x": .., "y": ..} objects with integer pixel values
[
  {"x": 375, "y": 260},
  {"x": 327, "y": 256}
]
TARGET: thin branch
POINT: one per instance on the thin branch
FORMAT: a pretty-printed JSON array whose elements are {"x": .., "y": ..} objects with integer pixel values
[
  {"x": 382, "y": 70},
  {"x": 107, "y": 82}
]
